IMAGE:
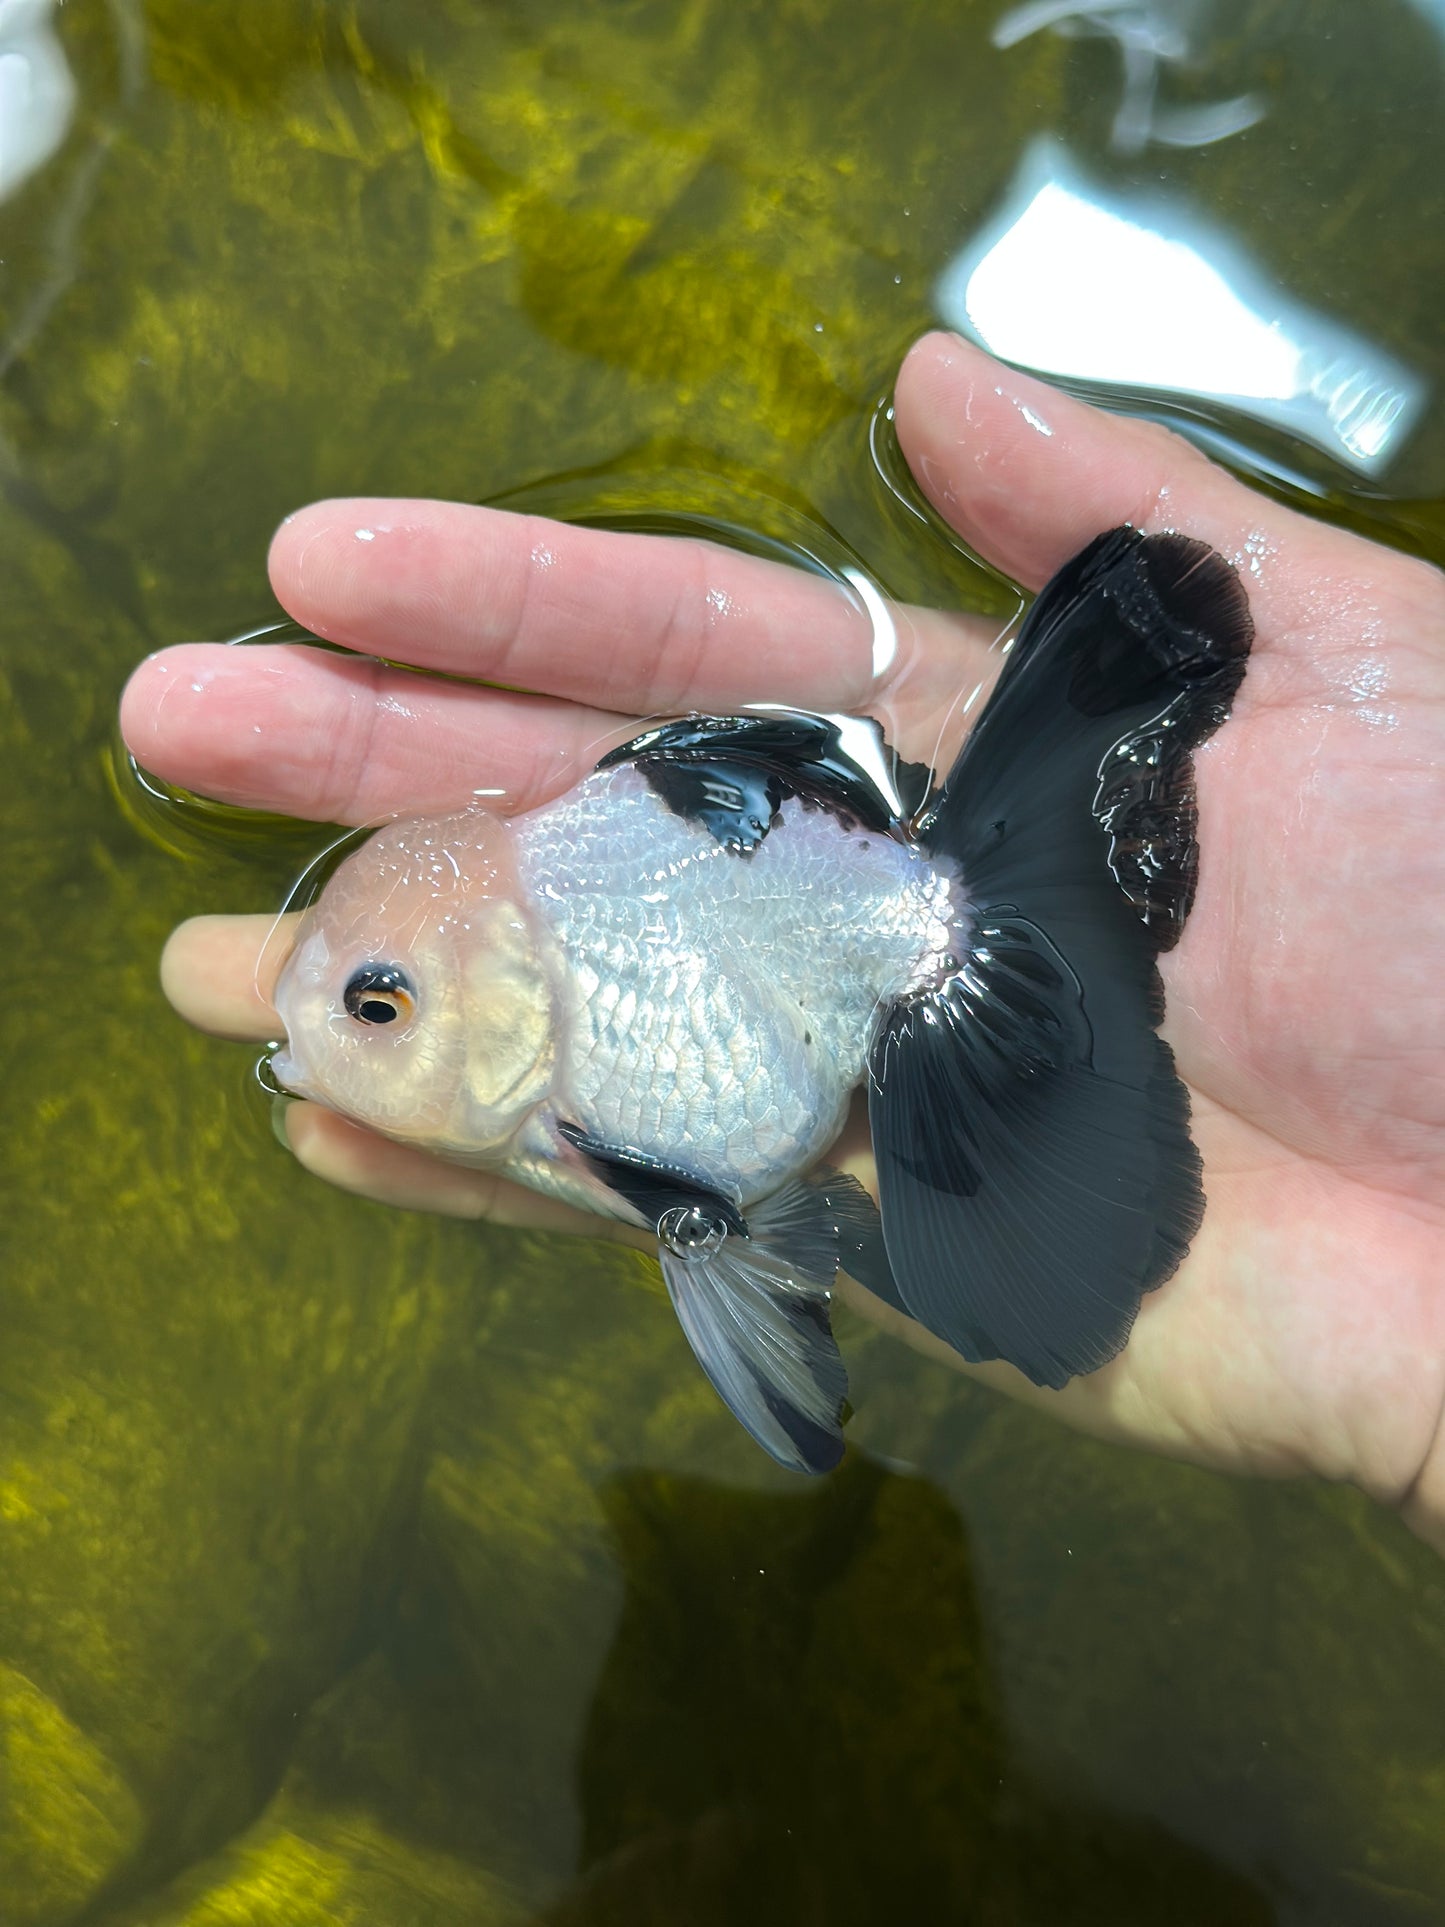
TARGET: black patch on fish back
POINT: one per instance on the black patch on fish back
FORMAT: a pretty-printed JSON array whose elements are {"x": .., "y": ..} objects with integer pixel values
[
  {"x": 732, "y": 774},
  {"x": 735, "y": 805}
]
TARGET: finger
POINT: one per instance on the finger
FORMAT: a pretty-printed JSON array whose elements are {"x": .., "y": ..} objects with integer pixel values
[
  {"x": 638, "y": 624},
  {"x": 1028, "y": 476},
  {"x": 220, "y": 973},
  {"x": 342, "y": 739},
  {"x": 357, "y": 1160}
]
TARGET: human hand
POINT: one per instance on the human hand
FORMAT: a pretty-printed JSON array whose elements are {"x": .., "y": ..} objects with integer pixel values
[{"x": 1306, "y": 1000}]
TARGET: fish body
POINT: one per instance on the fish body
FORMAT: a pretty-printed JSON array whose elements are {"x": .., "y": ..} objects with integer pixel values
[
  {"x": 718, "y": 1006},
  {"x": 656, "y": 995}
]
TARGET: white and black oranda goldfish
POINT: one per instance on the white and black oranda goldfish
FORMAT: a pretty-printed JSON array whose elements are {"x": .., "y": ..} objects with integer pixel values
[{"x": 655, "y": 996}]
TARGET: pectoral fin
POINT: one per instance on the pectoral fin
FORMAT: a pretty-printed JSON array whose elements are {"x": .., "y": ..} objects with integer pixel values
[
  {"x": 862, "y": 1252},
  {"x": 753, "y": 1296}
]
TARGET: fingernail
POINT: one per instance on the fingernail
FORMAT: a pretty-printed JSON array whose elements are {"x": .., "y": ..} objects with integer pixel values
[{"x": 279, "y": 1107}]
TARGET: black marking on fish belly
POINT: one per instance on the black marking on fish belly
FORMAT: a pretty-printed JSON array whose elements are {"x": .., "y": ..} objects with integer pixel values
[
  {"x": 731, "y": 774},
  {"x": 1035, "y": 1165},
  {"x": 651, "y": 1185},
  {"x": 753, "y": 1297}
]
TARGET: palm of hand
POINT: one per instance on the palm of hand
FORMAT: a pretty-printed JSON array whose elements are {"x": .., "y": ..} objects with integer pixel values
[{"x": 1307, "y": 1328}]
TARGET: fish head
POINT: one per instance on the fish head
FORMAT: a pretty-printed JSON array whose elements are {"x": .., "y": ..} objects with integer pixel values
[{"x": 417, "y": 1000}]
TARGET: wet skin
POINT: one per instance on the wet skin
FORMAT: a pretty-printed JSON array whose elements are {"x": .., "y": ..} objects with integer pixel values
[{"x": 1306, "y": 1001}]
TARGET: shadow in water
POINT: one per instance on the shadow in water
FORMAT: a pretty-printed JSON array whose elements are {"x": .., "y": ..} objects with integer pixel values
[
  {"x": 793, "y": 1720},
  {"x": 796, "y": 1722}
]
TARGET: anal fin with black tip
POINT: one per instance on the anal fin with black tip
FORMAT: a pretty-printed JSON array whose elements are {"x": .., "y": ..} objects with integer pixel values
[
  {"x": 1035, "y": 1166},
  {"x": 751, "y": 1295}
]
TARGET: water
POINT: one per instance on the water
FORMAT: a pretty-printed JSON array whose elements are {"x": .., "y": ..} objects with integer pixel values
[{"x": 361, "y": 1568}]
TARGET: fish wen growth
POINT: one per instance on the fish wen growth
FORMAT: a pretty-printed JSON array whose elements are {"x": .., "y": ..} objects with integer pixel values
[{"x": 655, "y": 996}]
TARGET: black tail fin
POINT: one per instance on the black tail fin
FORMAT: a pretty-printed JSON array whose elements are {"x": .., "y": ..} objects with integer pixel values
[{"x": 1036, "y": 1170}]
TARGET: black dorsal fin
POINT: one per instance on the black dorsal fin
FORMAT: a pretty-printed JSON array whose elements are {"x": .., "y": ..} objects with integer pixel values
[{"x": 731, "y": 774}]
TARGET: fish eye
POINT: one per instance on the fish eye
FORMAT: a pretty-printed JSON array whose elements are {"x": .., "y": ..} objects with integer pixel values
[{"x": 378, "y": 994}]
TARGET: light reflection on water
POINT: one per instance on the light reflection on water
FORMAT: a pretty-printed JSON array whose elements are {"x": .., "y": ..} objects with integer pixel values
[
  {"x": 1130, "y": 285},
  {"x": 1131, "y": 295},
  {"x": 37, "y": 92},
  {"x": 1150, "y": 39}
]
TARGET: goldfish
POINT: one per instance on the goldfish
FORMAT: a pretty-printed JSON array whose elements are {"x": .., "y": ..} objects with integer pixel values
[{"x": 655, "y": 996}]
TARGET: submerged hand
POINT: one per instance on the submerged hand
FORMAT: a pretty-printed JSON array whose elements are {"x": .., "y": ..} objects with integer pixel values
[{"x": 1306, "y": 1001}]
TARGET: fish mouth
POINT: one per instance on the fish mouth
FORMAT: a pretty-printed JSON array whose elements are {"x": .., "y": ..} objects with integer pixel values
[
  {"x": 287, "y": 1073},
  {"x": 285, "y": 1061}
]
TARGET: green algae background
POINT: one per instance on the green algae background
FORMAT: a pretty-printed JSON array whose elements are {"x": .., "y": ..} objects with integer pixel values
[{"x": 364, "y": 1570}]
